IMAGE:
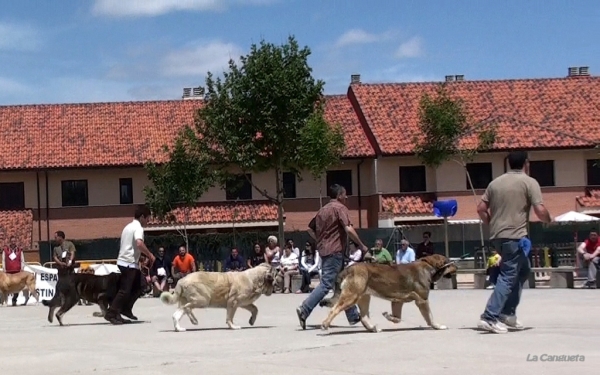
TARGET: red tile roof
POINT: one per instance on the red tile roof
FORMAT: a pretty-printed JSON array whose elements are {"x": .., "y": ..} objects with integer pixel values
[
  {"x": 18, "y": 224},
  {"x": 407, "y": 204},
  {"x": 591, "y": 199},
  {"x": 338, "y": 109},
  {"x": 225, "y": 213},
  {"x": 531, "y": 113},
  {"x": 118, "y": 134}
]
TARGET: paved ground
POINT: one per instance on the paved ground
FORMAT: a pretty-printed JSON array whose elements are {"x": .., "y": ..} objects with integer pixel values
[{"x": 560, "y": 322}]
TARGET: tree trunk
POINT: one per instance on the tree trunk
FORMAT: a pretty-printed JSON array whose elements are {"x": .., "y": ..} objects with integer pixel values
[
  {"x": 279, "y": 193},
  {"x": 321, "y": 192},
  {"x": 480, "y": 222}
]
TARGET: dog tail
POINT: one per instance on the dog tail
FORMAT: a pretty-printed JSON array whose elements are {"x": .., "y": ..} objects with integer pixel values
[
  {"x": 169, "y": 298},
  {"x": 337, "y": 290}
]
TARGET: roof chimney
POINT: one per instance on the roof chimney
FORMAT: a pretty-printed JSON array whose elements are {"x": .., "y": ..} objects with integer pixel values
[
  {"x": 197, "y": 91},
  {"x": 187, "y": 91},
  {"x": 354, "y": 78},
  {"x": 573, "y": 71},
  {"x": 449, "y": 78},
  {"x": 459, "y": 77},
  {"x": 584, "y": 70}
]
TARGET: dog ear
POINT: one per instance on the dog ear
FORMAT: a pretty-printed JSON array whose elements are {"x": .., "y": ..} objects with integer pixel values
[{"x": 269, "y": 278}]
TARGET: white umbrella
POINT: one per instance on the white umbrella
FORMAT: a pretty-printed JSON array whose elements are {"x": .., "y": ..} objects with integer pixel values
[{"x": 574, "y": 217}]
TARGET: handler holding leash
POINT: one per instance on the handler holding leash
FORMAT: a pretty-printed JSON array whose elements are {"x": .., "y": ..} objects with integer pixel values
[
  {"x": 329, "y": 229},
  {"x": 510, "y": 198},
  {"x": 132, "y": 245}
]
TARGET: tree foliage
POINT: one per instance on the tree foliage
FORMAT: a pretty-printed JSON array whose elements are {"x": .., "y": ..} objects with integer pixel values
[
  {"x": 267, "y": 115},
  {"x": 444, "y": 123},
  {"x": 448, "y": 134},
  {"x": 181, "y": 181}
]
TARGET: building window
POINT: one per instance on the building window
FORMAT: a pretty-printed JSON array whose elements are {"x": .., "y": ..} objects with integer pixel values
[
  {"x": 542, "y": 171},
  {"x": 12, "y": 196},
  {"x": 74, "y": 193},
  {"x": 289, "y": 185},
  {"x": 126, "y": 190},
  {"x": 593, "y": 172},
  {"x": 342, "y": 177},
  {"x": 481, "y": 175},
  {"x": 239, "y": 187},
  {"x": 413, "y": 179}
]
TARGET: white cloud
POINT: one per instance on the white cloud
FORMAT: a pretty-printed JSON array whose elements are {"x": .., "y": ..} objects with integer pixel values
[
  {"x": 18, "y": 37},
  {"x": 359, "y": 36},
  {"x": 411, "y": 48},
  {"x": 152, "y": 8},
  {"x": 200, "y": 58}
]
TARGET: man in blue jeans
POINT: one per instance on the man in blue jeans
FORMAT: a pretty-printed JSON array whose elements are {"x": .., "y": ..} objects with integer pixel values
[
  {"x": 505, "y": 206},
  {"x": 330, "y": 229}
]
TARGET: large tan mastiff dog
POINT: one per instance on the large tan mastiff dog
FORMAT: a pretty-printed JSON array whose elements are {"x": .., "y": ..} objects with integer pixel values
[
  {"x": 228, "y": 290},
  {"x": 399, "y": 284},
  {"x": 11, "y": 283}
]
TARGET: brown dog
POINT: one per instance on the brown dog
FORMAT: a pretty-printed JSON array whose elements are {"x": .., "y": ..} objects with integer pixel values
[
  {"x": 11, "y": 283},
  {"x": 399, "y": 284}
]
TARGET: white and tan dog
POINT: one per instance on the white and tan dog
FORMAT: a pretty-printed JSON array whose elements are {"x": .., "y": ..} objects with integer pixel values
[
  {"x": 228, "y": 290},
  {"x": 11, "y": 283}
]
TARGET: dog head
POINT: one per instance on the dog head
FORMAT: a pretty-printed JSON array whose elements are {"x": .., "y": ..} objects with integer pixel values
[
  {"x": 440, "y": 266},
  {"x": 87, "y": 270}
]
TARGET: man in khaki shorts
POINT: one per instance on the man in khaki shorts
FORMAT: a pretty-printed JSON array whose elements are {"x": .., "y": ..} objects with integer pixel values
[{"x": 505, "y": 206}]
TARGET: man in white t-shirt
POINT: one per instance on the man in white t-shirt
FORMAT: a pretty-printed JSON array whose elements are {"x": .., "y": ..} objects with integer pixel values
[{"x": 132, "y": 245}]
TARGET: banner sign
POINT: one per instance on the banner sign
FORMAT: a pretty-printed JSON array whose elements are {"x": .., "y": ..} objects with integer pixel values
[{"x": 46, "y": 279}]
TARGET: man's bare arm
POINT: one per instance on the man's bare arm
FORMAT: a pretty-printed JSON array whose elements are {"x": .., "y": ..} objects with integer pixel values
[
  {"x": 542, "y": 213},
  {"x": 354, "y": 237},
  {"x": 142, "y": 246},
  {"x": 581, "y": 248},
  {"x": 483, "y": 212}
]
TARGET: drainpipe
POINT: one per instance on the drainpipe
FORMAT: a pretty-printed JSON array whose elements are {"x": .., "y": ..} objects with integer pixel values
[
  {"x": 39, "y": 205},
  {"x": 359, "y": 194},
  {"x": 48, "y": 215},
  {"x": 376, "y": 176}
]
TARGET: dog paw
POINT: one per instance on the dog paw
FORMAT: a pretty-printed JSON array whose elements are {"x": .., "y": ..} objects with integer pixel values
[
  {"x": 231, "y": 326},
  {"x": 97, "y": 314},
  {"x": 439, "y": 326},
  {"x": 252, "y": 320},
  {"x": 180, "y": 329},
  {"x": 375, "y": 329},
  {"x": 391, "y": 318},
  {"x": 194, "y": 322}
]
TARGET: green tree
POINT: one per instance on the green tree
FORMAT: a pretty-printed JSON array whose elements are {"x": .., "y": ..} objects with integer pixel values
[
  {"x": 448, "y": 134},
  {"x": 176, "y": 186},
  {"x": 266, "y": 115}
]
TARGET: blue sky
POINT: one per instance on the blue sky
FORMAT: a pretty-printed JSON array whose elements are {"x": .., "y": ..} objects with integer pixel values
[{"x": 113, "y": 50}]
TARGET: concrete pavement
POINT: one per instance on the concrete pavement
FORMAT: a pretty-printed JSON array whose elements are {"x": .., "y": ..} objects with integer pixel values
[{"x": 559, "y": 321}]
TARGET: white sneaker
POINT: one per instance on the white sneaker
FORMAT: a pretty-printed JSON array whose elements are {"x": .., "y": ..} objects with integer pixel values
[
  {"x": 495, "y": 327},
  {"x": 490, "y": 287},
  {"x": 511, "y": 321}
]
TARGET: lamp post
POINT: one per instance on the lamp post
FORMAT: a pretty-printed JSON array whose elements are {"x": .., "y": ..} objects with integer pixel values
[{"x": 445, "y": 209}]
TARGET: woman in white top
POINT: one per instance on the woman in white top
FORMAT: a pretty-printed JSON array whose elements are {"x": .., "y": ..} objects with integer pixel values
[
  {"x": 310, "y": 265},
  {"x": 355, "y": 253},
  {"x": 288, "y": 267}
]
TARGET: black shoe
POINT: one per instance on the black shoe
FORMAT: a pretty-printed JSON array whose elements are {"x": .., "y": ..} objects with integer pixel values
[
  {"x": 301, "y": 318},
  {"x": 112, "y": 319},
  {"x": 129, "y": 314},
  {"x": 354, "y": 322}
]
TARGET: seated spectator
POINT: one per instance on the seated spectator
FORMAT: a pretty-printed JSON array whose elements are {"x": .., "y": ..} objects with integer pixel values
[
  {"x": 273, "y": 252},
  {"x": 589, "y": 252},
  {"x": 183, "y": 264},
  {"x": 288, "y": 267},
  {"x": 355, "y": 253},
  {"x": 234, "y": 262},
  {"x": 493, "y": 268},
  {"x": 257, "y": 257},
  {"x": 310, "y": 265},
  {"x": 160, "y": 272},
  {"x": 380, "y": 254},
  {"x": 405, "y": 254},
  {"x": 294, "y": 248},
  {"x": 145, "y": 287}
]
